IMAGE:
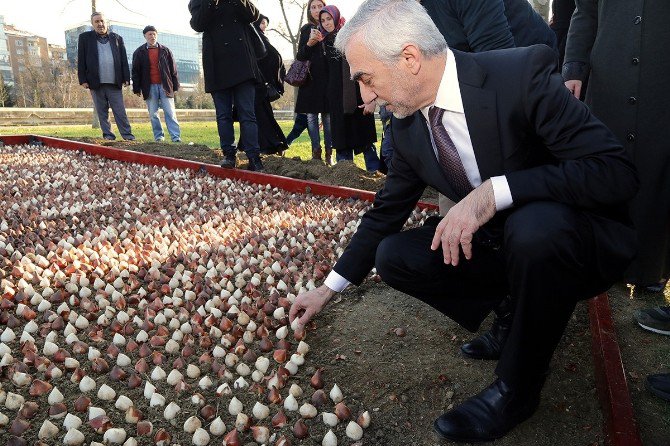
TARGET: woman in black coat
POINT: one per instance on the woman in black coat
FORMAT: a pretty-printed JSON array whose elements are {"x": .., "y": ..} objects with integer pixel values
[
  {"x": 312, "y": 98},
  {"x": 353, "y": 127},
  {"x": 271, "y": 138}
]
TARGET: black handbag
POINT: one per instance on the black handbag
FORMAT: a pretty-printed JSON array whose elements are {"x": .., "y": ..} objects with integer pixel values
[{"x": 272, "y": 93}]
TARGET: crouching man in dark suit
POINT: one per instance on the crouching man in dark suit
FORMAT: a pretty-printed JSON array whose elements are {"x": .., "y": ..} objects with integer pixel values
[{"x": 541, "y": 188}]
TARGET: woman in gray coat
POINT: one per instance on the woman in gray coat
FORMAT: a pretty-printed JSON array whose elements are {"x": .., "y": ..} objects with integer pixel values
[{"x": 623, "y": 47}]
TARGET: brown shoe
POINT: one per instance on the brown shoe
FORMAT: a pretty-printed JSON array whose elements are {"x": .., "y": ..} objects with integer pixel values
[{"x": 316, "y": 154}]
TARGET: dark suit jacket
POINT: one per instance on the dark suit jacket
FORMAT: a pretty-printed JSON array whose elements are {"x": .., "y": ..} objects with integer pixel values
[
  {"x": 87, "y": 60},
  {"x": 228, "y": 56},
  {"x": 482, "y": 25},
  {"x": 523, "y": 124}
]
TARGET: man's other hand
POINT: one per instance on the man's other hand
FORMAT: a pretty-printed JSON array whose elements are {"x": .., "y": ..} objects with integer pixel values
[
  {"x": 575, "y": 87},
  {"x": 457, "y": 228},
  {"x": 309, "y": 304},
  {"x": 85, "y": 85}
]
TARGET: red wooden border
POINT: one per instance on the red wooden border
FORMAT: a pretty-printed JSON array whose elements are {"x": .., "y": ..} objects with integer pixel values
[
  {"x": 620, "y": 425},
  {"x": 288, "y": 184}
]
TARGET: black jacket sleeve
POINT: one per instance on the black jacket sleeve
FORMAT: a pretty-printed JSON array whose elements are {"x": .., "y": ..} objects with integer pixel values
[
  {"x": 81, "y": 59},
  {"x": 581, "y": 36},
  {"x": 201, "y": 14},
  {"x": 137, "y": 71},
  {"x": 304, "y": 51},
  {"x": 173, "y": 71},
  {"x": 485, "y": 25},
  {"x": 125, "y": 69}
]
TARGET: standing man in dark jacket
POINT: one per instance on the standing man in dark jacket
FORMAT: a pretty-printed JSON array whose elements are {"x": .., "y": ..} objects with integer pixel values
[
  {"x": 155, "y": 79},
  {"x": 102, "y": 67},
  {"x": 231, "y": 72}
]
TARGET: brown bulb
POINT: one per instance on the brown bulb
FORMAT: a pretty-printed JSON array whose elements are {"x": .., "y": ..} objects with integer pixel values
[
  {"x": 317, "y": 379},
  {"x": 300, "y": 429},
  {"x": 279, "y": 420}
]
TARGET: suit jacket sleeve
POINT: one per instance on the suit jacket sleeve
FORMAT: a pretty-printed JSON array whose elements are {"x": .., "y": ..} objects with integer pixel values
[
  {"x": 485, "y": 25},
  {"x": 389, "y": 212},
  {"x": 593, "y": 170},
  {"x": 125, "y": 70},
  {"x": 81, "y": 59},
  {"x": 581, "y": 36}
]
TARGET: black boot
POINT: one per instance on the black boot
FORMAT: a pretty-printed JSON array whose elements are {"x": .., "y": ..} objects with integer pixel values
[
  {"x": 490, "y": 344},
  {"x": 229, "y": 162},
  {"x": 255, "y": 164}
]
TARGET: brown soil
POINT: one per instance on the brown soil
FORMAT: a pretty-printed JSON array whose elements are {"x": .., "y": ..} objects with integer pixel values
[{"x": 407, "y": 381}]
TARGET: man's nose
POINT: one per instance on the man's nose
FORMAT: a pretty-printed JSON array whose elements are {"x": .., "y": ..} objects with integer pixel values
[{"x": 367, "y": 94}]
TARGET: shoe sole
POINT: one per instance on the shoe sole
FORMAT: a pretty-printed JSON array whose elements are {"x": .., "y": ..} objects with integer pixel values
[
  {"x": 654, "y": 330},
  {"x": 442, "y": 440},
  {"x": 479, "y": 358}
]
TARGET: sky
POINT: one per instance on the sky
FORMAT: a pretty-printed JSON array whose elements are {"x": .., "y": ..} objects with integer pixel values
[{"x": 50, "y": 18}]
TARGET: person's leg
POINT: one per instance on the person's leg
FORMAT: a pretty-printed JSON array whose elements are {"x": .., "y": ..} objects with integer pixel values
[
  {"x": 314, "y": 135},
  {"x": 223, "y": 103},
  {"x": 299, "y": 126},
  {"x": 244, "y": 96},
  {"x": 102, "y": 109},
  {"x": 115, "y": 98},
  {"x": 327, "y": 137},
  {"x": 170, "y": 116},
  {"x": 344, "y": 155},
  {"x": 551, "y": 261},
  {"x": 152, "y": 105},
  {"x": 371, "y": 159},
  {"x": 405, "y": 262}
]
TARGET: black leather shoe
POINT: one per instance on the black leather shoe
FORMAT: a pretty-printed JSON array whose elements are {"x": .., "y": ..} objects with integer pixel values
[
  {"x": 489, "y": 415},
  {"x": 256, "y": 165},
  {"x": 659, "y": 385},
  {"x": 229, "y": 162},
  {"x": 490, "y": 344}
]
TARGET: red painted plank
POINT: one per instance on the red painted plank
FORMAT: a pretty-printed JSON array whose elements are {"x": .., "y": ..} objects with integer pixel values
[{"x": 620, "y": 425}]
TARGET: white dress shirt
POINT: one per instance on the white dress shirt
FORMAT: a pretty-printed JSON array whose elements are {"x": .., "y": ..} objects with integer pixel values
[{"x": 449, "y": 98}]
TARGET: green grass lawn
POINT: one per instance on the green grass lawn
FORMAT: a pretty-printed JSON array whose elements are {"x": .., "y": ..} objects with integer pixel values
[{"x": 198, "y": 132}]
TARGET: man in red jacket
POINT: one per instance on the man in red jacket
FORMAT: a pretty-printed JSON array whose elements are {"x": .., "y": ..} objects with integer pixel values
[{"x": 155, "y": 79}]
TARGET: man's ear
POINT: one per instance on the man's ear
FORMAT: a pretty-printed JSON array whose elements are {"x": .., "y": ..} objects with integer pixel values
[{"x": 411, "y": 58}]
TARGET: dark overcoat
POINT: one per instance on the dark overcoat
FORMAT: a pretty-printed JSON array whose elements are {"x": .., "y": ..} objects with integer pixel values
[
  {"x": 228, "y": 57},
  {"x": 312, "y": 96},
  {"x": 623, "y": 47}
]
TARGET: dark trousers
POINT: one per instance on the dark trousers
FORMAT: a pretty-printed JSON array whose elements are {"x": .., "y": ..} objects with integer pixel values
[
  {"x": 546, "y": 260},
  {"x": 243, "y": 96},
  {"x": 106, "y": 97},
  {"x": 299, "y": 126}
]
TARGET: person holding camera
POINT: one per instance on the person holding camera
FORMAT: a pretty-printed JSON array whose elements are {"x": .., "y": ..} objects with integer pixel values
[{"x": 312, "y": 97}]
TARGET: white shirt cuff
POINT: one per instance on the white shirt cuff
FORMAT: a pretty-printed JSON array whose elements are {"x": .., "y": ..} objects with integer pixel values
[
  {"x": 336, "y": 282},
  {"x": 501, "y": 193}
]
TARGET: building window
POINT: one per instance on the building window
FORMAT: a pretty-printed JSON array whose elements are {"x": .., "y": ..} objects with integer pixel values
[{"x": 18, "y": 51}]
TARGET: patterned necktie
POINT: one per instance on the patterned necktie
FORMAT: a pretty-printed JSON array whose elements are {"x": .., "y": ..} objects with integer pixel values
[{"x": 447, "y": 154}]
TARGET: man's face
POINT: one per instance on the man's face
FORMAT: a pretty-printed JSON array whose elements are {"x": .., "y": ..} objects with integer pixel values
[
  {"x": 151, "y": 37},
  {"x": 99, "y": 24},
  {"x": 393, "y": 86}
]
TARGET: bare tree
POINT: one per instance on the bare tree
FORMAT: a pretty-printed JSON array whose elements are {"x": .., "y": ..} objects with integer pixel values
[
  {"x": 5, "y": 96},
  {"x": 290, "y": 9}
]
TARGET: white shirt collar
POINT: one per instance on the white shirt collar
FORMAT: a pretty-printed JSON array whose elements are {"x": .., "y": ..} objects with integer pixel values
[{"x": 449, "y": 93}]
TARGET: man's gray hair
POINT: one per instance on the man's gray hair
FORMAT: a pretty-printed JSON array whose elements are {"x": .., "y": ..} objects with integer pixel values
[
  {"x": 385, "y": 26},
  {"x": 97, "y": 13}
]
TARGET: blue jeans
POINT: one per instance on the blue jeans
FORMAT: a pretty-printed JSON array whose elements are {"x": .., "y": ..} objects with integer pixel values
[
  {"x": 158, "y": 98},
  {"x": 369, "y": 155},
  {"x": 243, "y": 95},
  {"x": 313, "y": 130},
  {"x": 299, "y": 126}
]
